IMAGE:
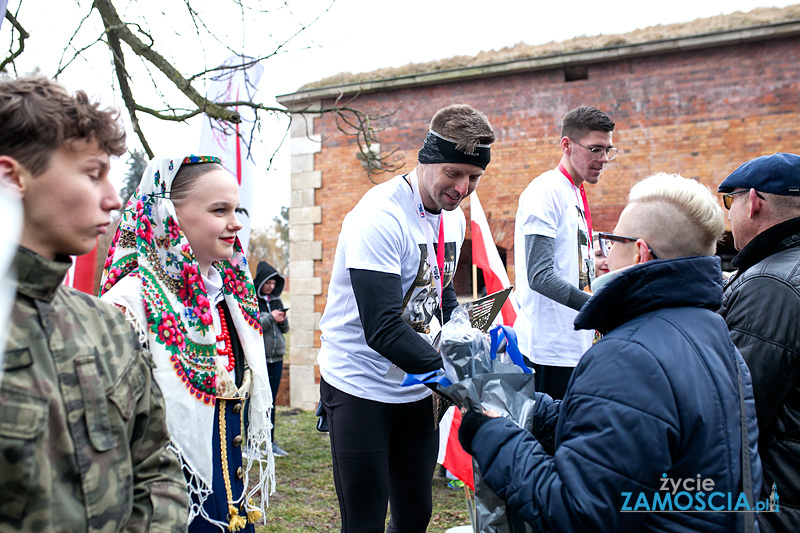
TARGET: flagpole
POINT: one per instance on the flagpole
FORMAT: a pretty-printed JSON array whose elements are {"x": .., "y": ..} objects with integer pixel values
[
  {"x": 474, "y": 281},
  {"x": 470, "y": 508}
]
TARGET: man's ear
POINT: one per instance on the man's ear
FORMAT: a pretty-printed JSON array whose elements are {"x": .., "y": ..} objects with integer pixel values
[
  {"x": 756, "y": 203},
  {"x": 13, "y": 178},
  {"x": 643, "y": 252},
  {"x": 565, "y": 144}
]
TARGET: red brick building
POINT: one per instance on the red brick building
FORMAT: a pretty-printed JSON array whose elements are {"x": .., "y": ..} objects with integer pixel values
[{"x": 697, "y": 105}]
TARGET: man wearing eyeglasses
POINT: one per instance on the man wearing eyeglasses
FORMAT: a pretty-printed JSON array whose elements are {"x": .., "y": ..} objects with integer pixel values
[
  {"x": 761, "y": 306},
  {"x": 662, "y": 398},
  {"x": 553, "y": 255}
]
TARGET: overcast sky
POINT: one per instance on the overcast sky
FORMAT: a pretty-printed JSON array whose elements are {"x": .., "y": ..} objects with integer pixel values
[{"x": 351, "y": 36}]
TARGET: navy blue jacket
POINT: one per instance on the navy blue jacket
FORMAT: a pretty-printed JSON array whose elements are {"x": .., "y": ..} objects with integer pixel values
[{"x": 658, "y": 394}]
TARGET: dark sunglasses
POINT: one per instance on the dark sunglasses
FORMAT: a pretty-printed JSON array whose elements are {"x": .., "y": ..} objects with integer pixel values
[{"x": 607, "y": 240}]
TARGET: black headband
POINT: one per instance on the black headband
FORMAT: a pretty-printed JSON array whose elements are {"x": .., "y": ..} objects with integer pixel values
[{"x": 437, "y": 149}]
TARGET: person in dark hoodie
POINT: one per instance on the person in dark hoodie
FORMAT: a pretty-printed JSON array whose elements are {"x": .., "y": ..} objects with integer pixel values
[
  {"x": 269, "y": 286},
  {"x": 663, "y": 400}
]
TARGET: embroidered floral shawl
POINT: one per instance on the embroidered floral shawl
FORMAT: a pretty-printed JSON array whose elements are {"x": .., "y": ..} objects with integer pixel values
[{"x": 151, "y": 271}]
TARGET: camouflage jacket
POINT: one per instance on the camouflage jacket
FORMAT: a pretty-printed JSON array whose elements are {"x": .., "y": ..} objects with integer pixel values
[{"x": 82, "y": 431}]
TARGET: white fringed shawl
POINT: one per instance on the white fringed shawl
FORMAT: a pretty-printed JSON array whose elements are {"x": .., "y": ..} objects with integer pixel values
[{"x": 152, "y": 273}]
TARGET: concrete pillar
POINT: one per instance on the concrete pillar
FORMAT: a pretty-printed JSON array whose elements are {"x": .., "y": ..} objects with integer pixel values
[{"x": 303, "y": 252}]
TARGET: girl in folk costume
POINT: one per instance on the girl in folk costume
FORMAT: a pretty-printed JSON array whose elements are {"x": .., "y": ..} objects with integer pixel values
[{"x": 177, "y": 270}]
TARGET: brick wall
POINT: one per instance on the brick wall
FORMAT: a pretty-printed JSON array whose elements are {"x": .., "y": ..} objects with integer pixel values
[{"x": 699, "y": 113}]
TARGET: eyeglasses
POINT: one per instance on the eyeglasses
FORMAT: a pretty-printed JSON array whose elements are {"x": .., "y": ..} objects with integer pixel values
[
  {"x": 607, "y": 240},
  {"x": 727, "y": 199},
  {"x": 597, "y": 152}
]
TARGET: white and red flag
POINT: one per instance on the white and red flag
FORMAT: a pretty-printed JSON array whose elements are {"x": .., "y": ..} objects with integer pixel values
[
  {"x": 486, "y": 257},
  {"x": 236, "y": 82},
  {"x": 451, "y": 455}
]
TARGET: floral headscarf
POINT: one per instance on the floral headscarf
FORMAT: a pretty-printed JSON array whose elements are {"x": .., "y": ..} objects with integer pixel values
[{"x": 152, "y": 272}]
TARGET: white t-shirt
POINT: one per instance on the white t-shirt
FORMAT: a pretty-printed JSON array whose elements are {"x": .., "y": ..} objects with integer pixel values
[
  {"x": 551, "y": 206},
  {"x": 383, "y": 233}
]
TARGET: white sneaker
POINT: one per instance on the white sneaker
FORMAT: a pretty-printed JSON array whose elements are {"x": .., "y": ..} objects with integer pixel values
[{"x": 277, "y": 451}]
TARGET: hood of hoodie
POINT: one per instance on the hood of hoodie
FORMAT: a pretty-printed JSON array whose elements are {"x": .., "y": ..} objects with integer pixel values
[{"x": 264, "y": 272}]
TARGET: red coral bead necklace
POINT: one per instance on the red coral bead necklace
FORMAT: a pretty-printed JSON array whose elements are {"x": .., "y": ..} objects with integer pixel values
[{"x": 225, "y": 336}]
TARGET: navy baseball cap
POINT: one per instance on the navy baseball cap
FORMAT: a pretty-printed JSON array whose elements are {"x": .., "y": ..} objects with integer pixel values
[{"x": 775, "y": 174}]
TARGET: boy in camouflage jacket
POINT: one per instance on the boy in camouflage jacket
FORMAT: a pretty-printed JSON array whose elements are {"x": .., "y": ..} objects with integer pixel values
[{"x": 83, "y": 438}]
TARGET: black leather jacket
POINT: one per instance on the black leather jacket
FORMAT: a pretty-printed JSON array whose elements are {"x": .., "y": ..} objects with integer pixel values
[{"x": 761, "y": 306}]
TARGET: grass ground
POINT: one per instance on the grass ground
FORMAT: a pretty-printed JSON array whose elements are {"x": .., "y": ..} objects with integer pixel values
[{"x": 305, "y": 499}]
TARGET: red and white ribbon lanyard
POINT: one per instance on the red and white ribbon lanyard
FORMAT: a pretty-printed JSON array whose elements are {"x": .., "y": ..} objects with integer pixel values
[
  {"x": 586, "y": 211},
  {"x": 437, "y": 267}
]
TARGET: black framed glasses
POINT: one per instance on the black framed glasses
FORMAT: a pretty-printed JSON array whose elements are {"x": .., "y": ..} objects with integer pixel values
[
  {"x": 727, "y": 199},
  {"x": 598, "y": 151},
  {"x": 607, "y": 240}
]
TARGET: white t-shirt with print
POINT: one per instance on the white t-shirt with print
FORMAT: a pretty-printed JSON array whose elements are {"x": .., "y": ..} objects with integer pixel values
[
  {"x": 551, "y": 206},
  {"x": 383, "y": 233}
]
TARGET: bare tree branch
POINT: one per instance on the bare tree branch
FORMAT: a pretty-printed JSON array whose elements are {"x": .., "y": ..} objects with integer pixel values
[
  {"x": 78, "y": 53},
  {"x": 22, "y": 36},
  {"x": 278, "y": 48},
  {"x": 169, "y": 116},
  {"x": 122, "y": 37},
  {"x": 356, "y": 123},
  {"x": 195, "y": 16},
  {"x": 125, "y": 89},
  {"x": 112, "y": 22}
]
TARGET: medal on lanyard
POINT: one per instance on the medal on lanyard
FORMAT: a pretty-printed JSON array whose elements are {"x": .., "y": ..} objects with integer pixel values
[{"x": 437, "y": 265}]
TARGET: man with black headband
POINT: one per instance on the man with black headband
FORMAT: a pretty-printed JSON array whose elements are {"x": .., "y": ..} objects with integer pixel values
[
  {"x": 553, "y": 256},
  {"x": 400, "y": 241}
]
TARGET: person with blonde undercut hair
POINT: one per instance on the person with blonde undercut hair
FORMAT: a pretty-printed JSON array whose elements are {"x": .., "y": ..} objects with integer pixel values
[
  {"x": 662, "y": 398},
  {"x": 676, "y": 214}
]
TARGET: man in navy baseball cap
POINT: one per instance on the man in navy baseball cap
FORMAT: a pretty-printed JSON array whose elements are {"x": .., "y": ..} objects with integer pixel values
[{"x": 761, "y": 306}]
